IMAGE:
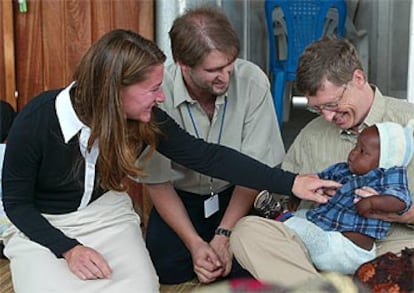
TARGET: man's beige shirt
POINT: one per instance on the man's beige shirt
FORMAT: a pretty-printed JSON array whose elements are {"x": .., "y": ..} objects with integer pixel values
[{"x": 248, "y": 122}]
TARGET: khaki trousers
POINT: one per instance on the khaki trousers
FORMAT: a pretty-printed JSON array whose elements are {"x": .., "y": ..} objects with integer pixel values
[
  {"x": 110, "y": 226},
  {"x": 271, "y": 252}
]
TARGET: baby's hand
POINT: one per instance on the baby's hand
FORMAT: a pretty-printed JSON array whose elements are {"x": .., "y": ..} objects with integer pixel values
[{"x": 364, "y": 207}]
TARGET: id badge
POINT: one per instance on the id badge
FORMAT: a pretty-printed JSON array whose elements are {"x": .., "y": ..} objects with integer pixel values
[{"x": 211, "y": 205}]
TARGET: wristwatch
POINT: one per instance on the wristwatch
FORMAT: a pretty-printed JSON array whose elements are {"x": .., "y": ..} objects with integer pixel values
[{"x": 222, "y": 231}]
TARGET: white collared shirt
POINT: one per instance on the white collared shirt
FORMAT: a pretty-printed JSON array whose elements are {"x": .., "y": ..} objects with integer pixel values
[{"x": 70, "y": 125}]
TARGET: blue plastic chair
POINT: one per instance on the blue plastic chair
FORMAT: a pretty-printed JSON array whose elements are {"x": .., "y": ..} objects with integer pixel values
[{"x": 291, "y": 26}]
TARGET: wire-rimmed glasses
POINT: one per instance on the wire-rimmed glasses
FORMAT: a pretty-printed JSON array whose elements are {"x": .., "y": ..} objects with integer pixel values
[{"x": 330, "y": 106}]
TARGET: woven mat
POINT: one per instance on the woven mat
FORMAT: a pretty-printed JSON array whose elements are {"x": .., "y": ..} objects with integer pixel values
[
  {"x": 180, "y": 288},
  {"x": 5, "y": 277}
]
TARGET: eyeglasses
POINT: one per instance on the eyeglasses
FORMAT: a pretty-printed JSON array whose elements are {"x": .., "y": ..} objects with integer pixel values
[{"x": 331, "y": 106}]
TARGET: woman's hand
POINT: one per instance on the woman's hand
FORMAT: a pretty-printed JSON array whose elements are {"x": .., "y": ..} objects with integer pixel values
[
  {"x": 87, "y": 263},
  {"x": 309, "y": 187}
]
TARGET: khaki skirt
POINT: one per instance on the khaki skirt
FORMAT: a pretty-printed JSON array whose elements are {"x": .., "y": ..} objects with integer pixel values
[{"x": 110, "y": 226}]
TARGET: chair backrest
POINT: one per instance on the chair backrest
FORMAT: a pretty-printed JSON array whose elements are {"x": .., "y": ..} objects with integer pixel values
[{"x": 300, "y": 22}]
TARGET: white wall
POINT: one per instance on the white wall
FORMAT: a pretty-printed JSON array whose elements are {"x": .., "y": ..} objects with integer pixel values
[
  {"x": 387, "y": 23},
  {"x": 246, "y": 16}
]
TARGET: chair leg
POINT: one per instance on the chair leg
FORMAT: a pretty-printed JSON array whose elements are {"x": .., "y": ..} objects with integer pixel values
[
  {"x": 287, "y": 100},
  {"x": 278, "y": 90}
]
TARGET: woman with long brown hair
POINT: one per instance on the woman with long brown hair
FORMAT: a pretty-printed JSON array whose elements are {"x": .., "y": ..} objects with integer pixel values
[{"x": 67, "y": 154}]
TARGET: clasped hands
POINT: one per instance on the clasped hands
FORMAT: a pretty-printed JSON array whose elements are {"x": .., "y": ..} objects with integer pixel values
[{"x": 212, "y": 260}]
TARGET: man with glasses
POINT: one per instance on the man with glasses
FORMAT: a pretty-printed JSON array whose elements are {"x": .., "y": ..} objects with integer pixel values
[
  {"x": 330, "y": 74},
  {"x": 330, "y": 106}
]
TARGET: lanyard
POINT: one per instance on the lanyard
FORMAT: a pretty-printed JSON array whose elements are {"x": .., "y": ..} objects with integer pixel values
[
  {"x": 212, "y": 193},
  {"x": 221, "y": 125}
]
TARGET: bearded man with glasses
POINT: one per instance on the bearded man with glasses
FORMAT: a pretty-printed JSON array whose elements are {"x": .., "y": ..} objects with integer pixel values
[{"x": 331, "y": 76}]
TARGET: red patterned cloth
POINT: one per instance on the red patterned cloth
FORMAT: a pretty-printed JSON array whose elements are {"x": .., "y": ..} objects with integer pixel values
[
  {"x": 389, "y": 272},
  {"x": 252, "y": 285}
]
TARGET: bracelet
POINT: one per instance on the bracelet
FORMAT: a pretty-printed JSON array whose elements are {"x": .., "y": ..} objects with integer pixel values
[{"x": 222, "y": 231}]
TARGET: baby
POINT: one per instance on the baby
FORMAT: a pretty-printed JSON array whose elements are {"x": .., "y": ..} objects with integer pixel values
[{"x": 339, "y": 235}]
